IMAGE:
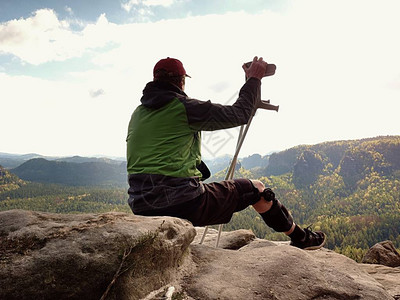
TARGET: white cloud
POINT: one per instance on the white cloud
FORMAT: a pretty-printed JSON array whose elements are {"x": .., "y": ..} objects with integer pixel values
[
  {"x": 43, "y": 37},
  {"x": 59, "y": 118},
  {"x": 165, "y": 3},
  {"x": 69, "y": 10},
  {"x": 94, "y": 93},
  {"x": 141, "y": 4},
  {"x": 127, "y": 6},
  {"x": 338, "y": 69}
]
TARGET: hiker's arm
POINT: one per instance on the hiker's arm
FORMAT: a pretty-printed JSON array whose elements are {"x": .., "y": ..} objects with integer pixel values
[
  {"x": 208, "y": 116},
  {"x": 204, "y": 115}
]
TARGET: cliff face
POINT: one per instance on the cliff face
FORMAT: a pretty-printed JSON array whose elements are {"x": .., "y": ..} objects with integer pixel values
[{"x": 122, "y": 256}]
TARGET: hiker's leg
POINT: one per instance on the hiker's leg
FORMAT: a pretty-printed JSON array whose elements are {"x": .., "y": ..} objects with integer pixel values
[
  {"x": 274, "y": 213},
  {"x": 221, "y": 200},
  {"x": 276, "y": 216}
]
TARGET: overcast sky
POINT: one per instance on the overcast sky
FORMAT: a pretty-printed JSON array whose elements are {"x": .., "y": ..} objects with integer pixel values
[{"x": 72, "y": 72}]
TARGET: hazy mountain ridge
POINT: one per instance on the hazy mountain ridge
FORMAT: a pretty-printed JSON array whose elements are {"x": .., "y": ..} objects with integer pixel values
[
  {"x": 249, "y": 162},
  {"x": 80, "y": 171},
  {"x": 10, "y": 161},
  {"x": 84, "y": 173},
  {"x": 334, "y": 152},
  {"x": 351, "y": 159}
]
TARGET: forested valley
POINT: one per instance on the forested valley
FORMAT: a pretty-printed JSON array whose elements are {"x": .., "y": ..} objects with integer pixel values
[{"x": 348, "y": 189}]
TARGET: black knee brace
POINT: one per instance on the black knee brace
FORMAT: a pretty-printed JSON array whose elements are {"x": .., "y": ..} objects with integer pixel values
[{"x": 278, "y": 217}]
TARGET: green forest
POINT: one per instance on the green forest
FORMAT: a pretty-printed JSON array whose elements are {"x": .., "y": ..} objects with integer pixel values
[{"x": 348, "y": 189}]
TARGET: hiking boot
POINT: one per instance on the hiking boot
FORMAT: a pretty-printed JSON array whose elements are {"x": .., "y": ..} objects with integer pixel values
[{"x": 313, "y": 240}]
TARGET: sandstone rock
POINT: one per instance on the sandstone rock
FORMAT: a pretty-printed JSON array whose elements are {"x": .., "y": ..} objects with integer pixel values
[
  {"x": 261, "y": 243},
  {"x": 383, "y": 253},
  {"x": 229, "y": 239},
  {"x": 281, "y": 272},
  {"x": 387, "y": 276},
  {"x": 87, "y": 256},
  {"x": 54, "y": 256}
]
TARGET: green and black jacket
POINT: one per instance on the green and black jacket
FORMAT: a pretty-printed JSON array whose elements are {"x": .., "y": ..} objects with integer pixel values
[{"x": 164, "y": 142}]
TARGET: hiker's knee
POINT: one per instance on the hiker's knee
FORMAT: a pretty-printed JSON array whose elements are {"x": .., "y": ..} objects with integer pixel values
[
  {"x": 261, "y": 205},
  {"x": 272, "y": 211},
  {"x": 258, "y": 185}
]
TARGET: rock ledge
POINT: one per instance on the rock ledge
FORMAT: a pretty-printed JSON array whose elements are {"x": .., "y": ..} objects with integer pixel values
[{"x": 122, "y": 256}]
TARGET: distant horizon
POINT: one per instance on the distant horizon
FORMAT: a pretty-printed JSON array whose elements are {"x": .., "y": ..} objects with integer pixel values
[{"x": 205, "y": 157}]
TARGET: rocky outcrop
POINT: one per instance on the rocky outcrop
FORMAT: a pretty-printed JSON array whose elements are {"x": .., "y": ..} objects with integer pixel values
[
  {"x": 122, "y": 256},
  {"x": 274, "y": 270},
  {"x": 86, "y": 256},
  {"x": 232, "y": 240},
  {"x": 383, "y": 253},
  {"x": 387, "y": 276},
  {"x": 280, "y": 272}
]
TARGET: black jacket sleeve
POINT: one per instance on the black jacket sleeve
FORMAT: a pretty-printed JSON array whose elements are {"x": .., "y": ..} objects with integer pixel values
[{"x": 206, "y": 116}]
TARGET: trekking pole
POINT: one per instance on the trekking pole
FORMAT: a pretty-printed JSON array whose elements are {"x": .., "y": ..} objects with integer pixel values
[
  {"x": 263, "y": 104},
  {"x": 231, "y": 170}
]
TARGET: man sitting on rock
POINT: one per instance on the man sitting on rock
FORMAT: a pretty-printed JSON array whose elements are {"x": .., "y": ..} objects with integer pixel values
[{"x": 164, "y": 158}]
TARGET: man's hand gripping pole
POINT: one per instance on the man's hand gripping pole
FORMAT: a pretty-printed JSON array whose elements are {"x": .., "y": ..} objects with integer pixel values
[{"x": 264, "y": 104}]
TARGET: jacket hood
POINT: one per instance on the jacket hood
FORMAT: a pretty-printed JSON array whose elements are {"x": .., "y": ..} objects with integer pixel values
[{"x": 156, "y": 94}]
